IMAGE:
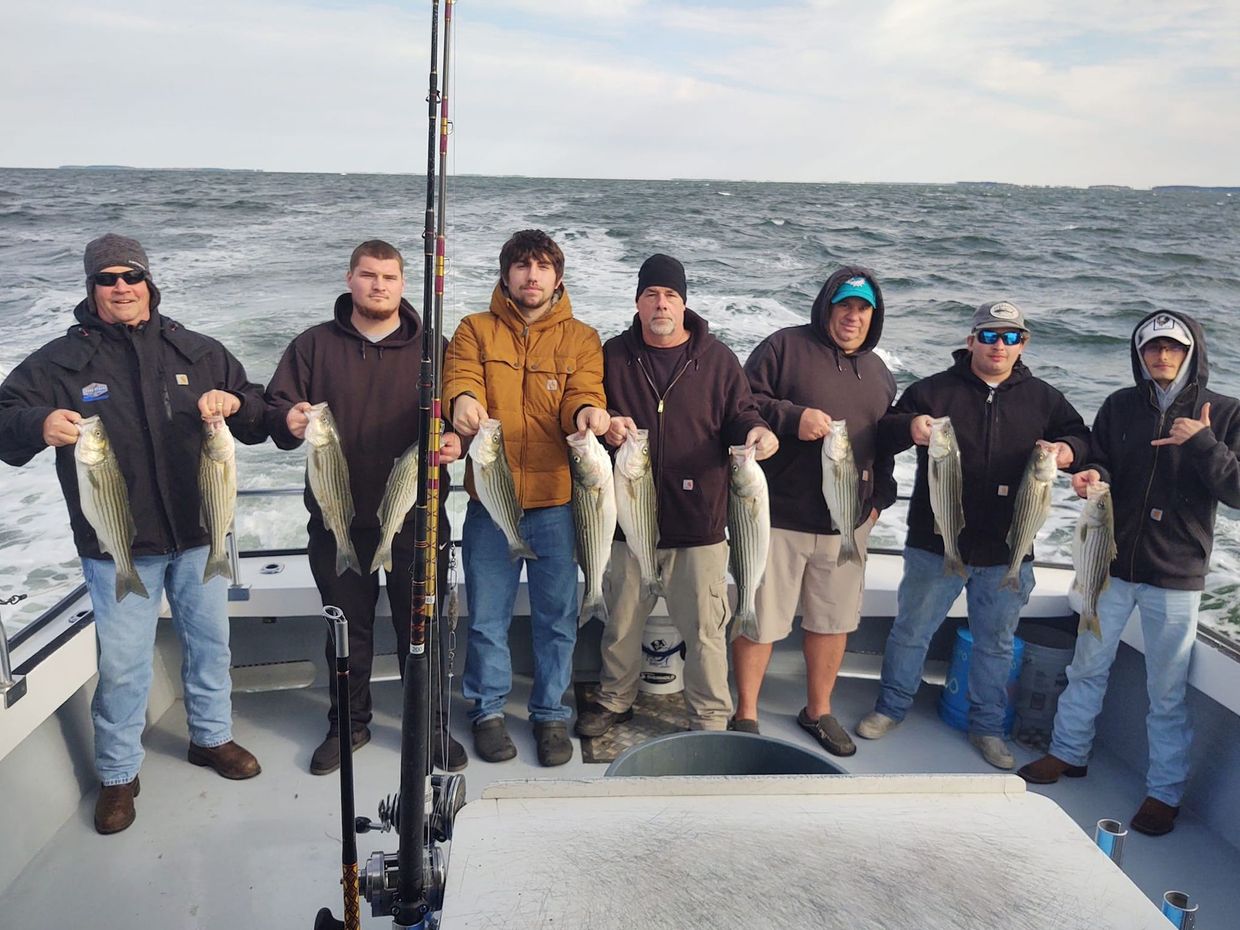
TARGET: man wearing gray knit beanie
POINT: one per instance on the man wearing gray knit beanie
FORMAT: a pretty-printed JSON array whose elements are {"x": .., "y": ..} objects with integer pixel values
[{"x": 149, "y": 383}]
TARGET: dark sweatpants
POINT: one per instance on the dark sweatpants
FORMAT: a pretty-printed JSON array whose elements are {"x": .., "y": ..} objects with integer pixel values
[{"x": 357, "y": 595}]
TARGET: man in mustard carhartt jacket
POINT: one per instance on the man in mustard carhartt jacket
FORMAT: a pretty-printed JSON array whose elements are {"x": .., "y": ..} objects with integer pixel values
[{"x": 527, "y": 363}]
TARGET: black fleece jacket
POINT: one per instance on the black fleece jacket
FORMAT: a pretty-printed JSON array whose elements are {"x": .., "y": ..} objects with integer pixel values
[
  {"x": 1166, "y": 496},
  {"x": 800, "y": 367}
]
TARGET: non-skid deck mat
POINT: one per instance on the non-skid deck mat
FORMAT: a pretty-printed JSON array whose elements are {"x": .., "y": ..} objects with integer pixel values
[{"x": 653, "y": 715}]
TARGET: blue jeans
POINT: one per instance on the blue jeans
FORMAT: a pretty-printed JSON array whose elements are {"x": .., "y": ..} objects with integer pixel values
[
  {"x": 491, "y": 580},
  {"x": 922, "y": 601},
  {"x": 126, "y": 634},
  {"x": 1169, "y": 626}
]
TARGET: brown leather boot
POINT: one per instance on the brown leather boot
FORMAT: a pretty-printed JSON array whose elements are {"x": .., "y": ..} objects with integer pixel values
[
  {"x": 228, "y": 759},
  {"x": 1155, "y": 817},
  {"x": 1048, "y": 769},
  {"x": 114, "y": 809}
]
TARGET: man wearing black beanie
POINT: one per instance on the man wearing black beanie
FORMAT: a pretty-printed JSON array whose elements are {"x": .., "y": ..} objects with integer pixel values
[{"x": 668, "y": 369}]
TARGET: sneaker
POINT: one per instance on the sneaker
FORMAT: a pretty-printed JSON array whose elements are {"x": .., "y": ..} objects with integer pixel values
[
  {"x": 743, "y": 725},
  {"x": 114, "y": 810},
  {"x": 326, "y": 758},
  {"x": 1154, "y": 818},
  {"x": 994, "y": 750},
  {"x": 875, "y": 725},
  {"x": 595, "y": 719},
  {"x": 554, "y": 746},
  {"x": 454, "y": 758},
  {"x": 491, "y": 740},
  {"x": 228, "y": 759},
  {"x": 830, "y": 735},
  {"x": 1048, "y": 769}
]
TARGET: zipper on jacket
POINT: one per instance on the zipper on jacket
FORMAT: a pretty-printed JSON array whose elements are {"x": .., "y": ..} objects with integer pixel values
[
  {"x": 1145, "y": 501},
  {"x": 658, "y": 483}
]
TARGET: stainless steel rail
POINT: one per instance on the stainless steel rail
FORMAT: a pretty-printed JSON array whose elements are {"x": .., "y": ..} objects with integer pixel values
[{"x": 13, "y": 689}]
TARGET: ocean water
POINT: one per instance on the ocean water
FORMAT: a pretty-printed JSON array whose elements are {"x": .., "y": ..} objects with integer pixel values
[{"x": 255, "y": 258}]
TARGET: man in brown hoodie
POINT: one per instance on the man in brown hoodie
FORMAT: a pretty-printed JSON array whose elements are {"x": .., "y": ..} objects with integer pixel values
[{"x": 529, "y": 364}]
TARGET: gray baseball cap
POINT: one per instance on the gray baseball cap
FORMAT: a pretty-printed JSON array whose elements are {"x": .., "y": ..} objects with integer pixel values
[{"x": 1000, "y": 314}]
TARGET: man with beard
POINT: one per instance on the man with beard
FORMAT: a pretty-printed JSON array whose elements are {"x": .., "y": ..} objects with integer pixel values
[
  {"x": 529, "y": 364},
  {"x": 804, "y": 378},
  {"x": 1170, "y": 449},
  {"x": 364, "y": 363},
  {"x": 151, "y": 382}
]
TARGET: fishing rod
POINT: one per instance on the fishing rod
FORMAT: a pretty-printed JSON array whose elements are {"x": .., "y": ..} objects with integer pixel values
[{"x": 338, "y": 627}]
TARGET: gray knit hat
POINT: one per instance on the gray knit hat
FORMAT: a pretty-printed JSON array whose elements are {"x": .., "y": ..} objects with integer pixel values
[{"x": 111, "y": 250}]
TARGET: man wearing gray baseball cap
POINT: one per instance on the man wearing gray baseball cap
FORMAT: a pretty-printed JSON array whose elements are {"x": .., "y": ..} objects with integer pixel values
[
  {"x": 999, "y": 412},
  {"x": 151, "y": 383}
]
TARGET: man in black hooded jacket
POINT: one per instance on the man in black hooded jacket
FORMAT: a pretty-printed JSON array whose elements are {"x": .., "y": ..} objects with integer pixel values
[{"x": 1170, "y": 449}]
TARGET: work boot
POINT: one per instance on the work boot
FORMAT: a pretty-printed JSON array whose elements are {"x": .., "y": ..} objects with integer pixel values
[
  {"x": 875, "y": 725},
  {"x": 114, "y": 809},
  {"x": 454, "y": 759},
  {"x": 743, "y": 725},
  {"x": 994, "y": 750},
  {"x": 554, "y": 746},
  {"x": 595, "y": 719},
  {"x": 1048, "y": 769},
  {"x": 326, "y": 758},
  {"x": 1154, "y": 818},
  {"x": 827, "y": 730},
  {"x": 228, "y": 759},
  {"x": 491, "y": 740}
]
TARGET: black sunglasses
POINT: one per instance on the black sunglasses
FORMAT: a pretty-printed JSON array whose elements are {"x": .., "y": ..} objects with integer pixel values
[
  {"x": 109, "y": 278},
  {"x": 1011, "y": 337}
]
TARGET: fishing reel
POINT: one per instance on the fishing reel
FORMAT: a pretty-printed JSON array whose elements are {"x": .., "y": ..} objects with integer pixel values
[
  {"x": 378, "y": 880},
  {"x": 447, "y": 799}
]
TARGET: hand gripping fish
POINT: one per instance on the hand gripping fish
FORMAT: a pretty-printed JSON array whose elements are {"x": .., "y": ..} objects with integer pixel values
[
  {"x": 1093, "y": 551},
  {"x": 594, "y": 517},
  {"x": 1032, "y": 507},
  {"x": 493, "y": 482},
  {"x": 329, "y": 482},
  {"x": 217, "y": 488},
  {"x": 636, "y": 508},
  {"x": 842, "y": 490},
  {"x": 105, "y": 502},
  {"x": 749, "y": 534},
  {"x": 946, "y": 480}
]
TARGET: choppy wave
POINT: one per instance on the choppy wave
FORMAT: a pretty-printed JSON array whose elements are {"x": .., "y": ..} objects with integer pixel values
[{"x": 255, "y": 258}]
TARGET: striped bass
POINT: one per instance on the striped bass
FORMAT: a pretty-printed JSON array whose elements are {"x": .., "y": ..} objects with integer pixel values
[
  {"x": 594, "y": 516},
  {"x": 217, "y": 487},
  {"x": 104, "y": 498},
  {"x": 496, "y": 491},
  {"x": 399, "y": 496},
  {"x": 749, "y": 534},
  {"x": 946, "y": 480},
  {"x": 1033, "y": 506},
  {"x": 636, "y": 507},
  {"x": 1093, "y": 551},
  {"x": 329, "y": 482},
  {"x": 842, "y": 490}
]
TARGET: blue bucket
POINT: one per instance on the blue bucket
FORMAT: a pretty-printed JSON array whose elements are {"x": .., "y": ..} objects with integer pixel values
[{"x": 954, "y": 704}]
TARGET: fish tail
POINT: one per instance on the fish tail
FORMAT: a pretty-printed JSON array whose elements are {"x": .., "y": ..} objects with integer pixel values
[
  {"x": 1090, "y": 624},
  {"x": 745, "y": 623},
  {"x": 849, "y": 553},
  {"x": 129, "y": 583},
  {"x": 521, "y": 550},
  {"x": 952, "y": 565},
  {"x": 592, "y": 607},
  {"x": 217, "y": 565},
  {"x": 383, "y": 556},
  {"x": 1011, "y": 581},
  {"x": 346, "y": 558},
  {"x": 654, "y": 588}
]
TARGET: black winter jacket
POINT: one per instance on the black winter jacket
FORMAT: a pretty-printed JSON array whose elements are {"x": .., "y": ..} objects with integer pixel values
[
  {"x": 707, "y": 408},
  {"x": 800, "y": 367},
  {"x": 997, "y": 430},
  {"x": 144, "y": 382},
  {"x": 1166, "y": 496}
]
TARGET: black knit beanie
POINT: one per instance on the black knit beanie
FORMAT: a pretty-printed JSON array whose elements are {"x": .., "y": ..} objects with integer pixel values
[{"x": 663, "y": 271}]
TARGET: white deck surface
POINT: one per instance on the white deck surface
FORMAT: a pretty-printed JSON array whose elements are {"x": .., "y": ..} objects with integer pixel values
[{"x": 208, "y": 853}]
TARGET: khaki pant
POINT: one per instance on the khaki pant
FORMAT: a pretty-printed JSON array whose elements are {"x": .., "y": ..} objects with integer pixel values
[{"x": 696, "y": 584}]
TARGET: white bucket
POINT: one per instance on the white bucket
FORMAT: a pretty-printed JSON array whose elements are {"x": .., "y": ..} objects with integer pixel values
[{"x": 663, "y": 658}]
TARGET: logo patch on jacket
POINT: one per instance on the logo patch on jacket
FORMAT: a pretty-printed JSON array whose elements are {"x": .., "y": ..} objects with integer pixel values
[
  {"x": 552, "y": 384},
  {"x": 182, "y": 379},
  {"x": 93, "y": 392},
  {"x": 687, "y": 484}
]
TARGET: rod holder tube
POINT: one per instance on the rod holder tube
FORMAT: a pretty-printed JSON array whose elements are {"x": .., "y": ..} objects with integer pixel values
[
  {"x": 1177, "y": 909},
  {"x": 1110, "y": 836}
]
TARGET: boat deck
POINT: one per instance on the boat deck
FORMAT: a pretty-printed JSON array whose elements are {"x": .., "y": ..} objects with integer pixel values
[{"x": 264, "y": 853}]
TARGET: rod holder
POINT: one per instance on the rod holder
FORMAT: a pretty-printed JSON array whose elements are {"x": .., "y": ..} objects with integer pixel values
[
  {"x": 12, "y": 689},
  {"x": 1110, "y": 835},
  {"x": 1177, "y": 909}
]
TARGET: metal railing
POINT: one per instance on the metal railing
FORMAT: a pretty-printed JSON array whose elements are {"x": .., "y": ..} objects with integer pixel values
[{"x": 12, "y": 688}]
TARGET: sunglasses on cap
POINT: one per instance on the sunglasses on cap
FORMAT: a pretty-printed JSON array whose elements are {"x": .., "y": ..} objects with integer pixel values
[
  {"x": 109, "y": 278},
  {"x": 1010, "y": 337}
]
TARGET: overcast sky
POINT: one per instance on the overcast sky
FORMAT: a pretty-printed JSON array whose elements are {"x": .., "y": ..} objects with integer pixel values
[{"x": 1075, "y": 92}]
